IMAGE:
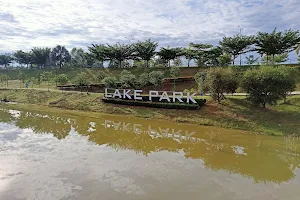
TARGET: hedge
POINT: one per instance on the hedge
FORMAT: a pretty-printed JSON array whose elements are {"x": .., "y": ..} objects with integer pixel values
[
  {"x": 145, "y": 98},
  {"x": 152, "y": 104}
]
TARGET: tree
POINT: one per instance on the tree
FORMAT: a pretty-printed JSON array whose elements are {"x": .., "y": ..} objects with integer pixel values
[
  {"x": 110, "y": 82},
  {"x": 127, "y": 79},
  {"x": 3, "y": 79},
  {"x": 5, "y": 59},
  {"x": 224, "y": 60},
  {"x": 21, "y": 77},
  {"x": 40, "y": 56},
  {"x": 23, "y": 57},
  {"x": 60, "y": 55},
  {"x": 78, "y": 57},
  {"x": 251, "y": 60},
  {"x": 169, "y": 54},
  {"x": 62, "y": 79},
  {"x": 217, "y": 81},
  {"x": 46, "y": 76},
  {"x": 82, "y": 80},
  {"x": 275, "y": 59},
  {"x": 120, "y": 52},
  {"x": 288, "y": 82},
  {"x": 237, "y": 45},
  {"x": 98, "y": 64},
  {"x": 267, "y": 85},
  {"x": 298, "y": 49},
  {"x": 145, "y": 50},
  {"x": 99, "y": 52},
  {"x": 156, "y": 78},
  {"x": 206, "y": 54},
  {"x": 189, "y": 54},
  {"x": 276, "y": 43},
  {"x": 174, "y": 73},
  {"x": 210, "y": 57}
]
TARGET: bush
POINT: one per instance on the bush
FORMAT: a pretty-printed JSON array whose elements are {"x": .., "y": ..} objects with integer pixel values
[
  {"x": 145, "y": 98},
  {"x": 110, "y": 82},
  {"x": 217, "y": 81},
  {"x": 174, "y": 71},
  {"x": 62, "y": 79},
  {"x": 127, "y": 79},
  {"x": 82, "y": 79},
  {"x": 156, "y": 78},
  {"x": 267, "y": 85},
  {"x": 224, "y": 60},
  {"x": 101, "y": 76},
  {"x": 143, "y": 80},
  {"x": 153, "y": 104}
]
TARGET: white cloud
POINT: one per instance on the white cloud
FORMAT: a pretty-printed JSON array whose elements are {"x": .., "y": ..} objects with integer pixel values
[{"x": 28, "y": 23}]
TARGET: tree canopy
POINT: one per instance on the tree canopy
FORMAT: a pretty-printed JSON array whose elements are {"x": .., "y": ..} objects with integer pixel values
[
  {"x": 236, "y": 45},
  {"x": 60, "y": 55},
  {"x": 145, "y": 50}
]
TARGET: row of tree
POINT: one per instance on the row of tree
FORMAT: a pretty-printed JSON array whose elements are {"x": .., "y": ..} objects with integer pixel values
[
  {"x": 274, "y": 47},
  {"x": 265, "y": 85}
]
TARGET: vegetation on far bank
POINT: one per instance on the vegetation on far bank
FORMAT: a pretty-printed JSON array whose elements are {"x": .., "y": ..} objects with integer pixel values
[{"x": 234, "y": 112}]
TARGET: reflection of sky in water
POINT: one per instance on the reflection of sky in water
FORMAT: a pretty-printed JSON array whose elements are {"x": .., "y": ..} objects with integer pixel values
[{"x": 40, "y": 166}]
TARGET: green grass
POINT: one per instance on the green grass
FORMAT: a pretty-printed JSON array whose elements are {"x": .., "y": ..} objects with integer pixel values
[{"x": 235, "y": 112}]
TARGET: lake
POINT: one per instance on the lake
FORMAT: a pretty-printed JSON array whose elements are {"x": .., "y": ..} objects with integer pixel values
[{"x": 57, "y": 155}]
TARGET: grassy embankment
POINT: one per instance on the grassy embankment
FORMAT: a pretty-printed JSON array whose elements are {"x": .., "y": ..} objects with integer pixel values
[
  {"x": 235, "y": 112},
  {"x": 92, "y": 74}
]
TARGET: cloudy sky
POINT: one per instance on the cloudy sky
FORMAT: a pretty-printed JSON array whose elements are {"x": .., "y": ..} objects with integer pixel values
[{"x": 28, "y": 23}]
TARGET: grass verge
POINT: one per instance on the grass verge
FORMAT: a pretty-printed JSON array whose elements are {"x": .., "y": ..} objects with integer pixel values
[{"x": 235, "y": 112}]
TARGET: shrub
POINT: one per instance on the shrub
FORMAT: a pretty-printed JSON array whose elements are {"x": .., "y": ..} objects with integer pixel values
[
  {"x": 101, "y": 76},
  {"x": 142, "y": 80},
  {"x": 224, "y": 60},
  {"x": 217, "y": 81},
  {"x": 127, "y": 79},
  {"x": 62, "y": 79},
  {"x": 82, "y": 80},
  {"x": 156, "y": 78},
  {"x": 110, "y": 82},
  {"x": 46, "y": 76},
  {"x": 153, "y": 104},
  {"x": 267, "y": 85},
  {"x": 174, "y": 71}
]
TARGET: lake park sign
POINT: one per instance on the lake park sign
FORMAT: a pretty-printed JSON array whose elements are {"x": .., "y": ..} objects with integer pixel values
[{"x": 161, "y": 95}]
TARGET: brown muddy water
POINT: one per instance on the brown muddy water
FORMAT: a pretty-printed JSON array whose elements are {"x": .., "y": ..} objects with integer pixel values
[{"x": 45, "y": 155}]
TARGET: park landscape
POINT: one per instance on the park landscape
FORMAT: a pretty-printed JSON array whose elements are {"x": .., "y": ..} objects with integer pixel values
[
  {"x": 59, "y": 78},
  {"x": 160, "y": 99}
]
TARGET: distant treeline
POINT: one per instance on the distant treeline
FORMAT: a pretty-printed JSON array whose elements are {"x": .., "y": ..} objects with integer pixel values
[{"x": 273, "y": 48}]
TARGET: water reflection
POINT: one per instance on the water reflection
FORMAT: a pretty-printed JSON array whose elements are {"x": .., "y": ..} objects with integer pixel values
[{"x": 261, "y": 158}]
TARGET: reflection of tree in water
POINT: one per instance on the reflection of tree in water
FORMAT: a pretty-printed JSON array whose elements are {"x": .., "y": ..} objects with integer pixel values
[
  {"x": 264, "y": 162},
  {"x": 40, "y": 123},
  {"x": 140, "y": 143}
]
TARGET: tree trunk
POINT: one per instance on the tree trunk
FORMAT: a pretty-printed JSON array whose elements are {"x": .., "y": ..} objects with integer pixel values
[
  {"x": 189, "y": 62},
  {"x": 147, "y": 63},
  {"x": 120, "y": 63},
  {"x": 284, "y": 99}
]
